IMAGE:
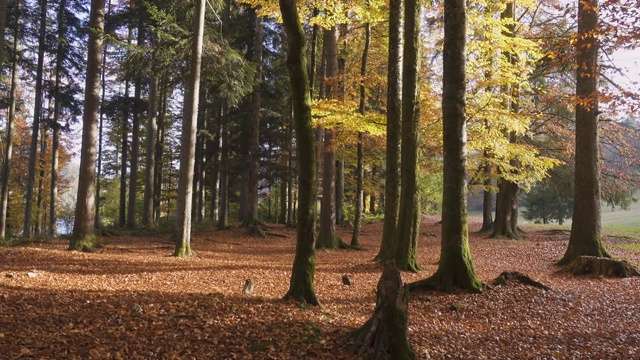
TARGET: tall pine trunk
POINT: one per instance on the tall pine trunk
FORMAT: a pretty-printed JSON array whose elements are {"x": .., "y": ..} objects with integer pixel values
[
  {"x": 188, "y": 139},
  {"x": 148, "y": 211},
  {"x": 37, "y": 113},
  {"x": 8, "y": 150},
  {"x": 83, "y": 227}
]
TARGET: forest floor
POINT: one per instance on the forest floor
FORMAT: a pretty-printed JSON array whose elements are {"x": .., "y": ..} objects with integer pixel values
[{"x": 132, "y": 300}]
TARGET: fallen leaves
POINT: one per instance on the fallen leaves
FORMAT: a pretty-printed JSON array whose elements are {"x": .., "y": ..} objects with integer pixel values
[{"x": 131, "y": 300}]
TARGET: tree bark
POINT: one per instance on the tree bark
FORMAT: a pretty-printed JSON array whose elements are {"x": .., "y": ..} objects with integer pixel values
[
  {"x": 384, "y": 335},
  {"x": 339, "y": 192},
  {"x": 409, "y": 216},
  {"x": 122, "y": 214},
  {"x": 223, "y": 202},
  {"x": 327, "y": 237},
  {"x": 586, "y": 225},
  {"x": 357, "y": 222},
  {"x": 100, "y": 126},
  {"x": 301, "y": 284},
  {"x": 148, "y": 211},
  {"x": 188, "y": 139},
  {"x": 37, "y": 113},
  {"x": 394, "y": 115},
  {"x": 251, "y": 215},
  {"x": 8, "y": 150},
  {"x": 455, "y": 268},
  {"x": 83, "y": 228}
]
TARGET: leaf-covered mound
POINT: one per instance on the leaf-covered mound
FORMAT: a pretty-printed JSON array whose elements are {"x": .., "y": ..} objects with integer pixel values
[{"x": 132, "y": 300}]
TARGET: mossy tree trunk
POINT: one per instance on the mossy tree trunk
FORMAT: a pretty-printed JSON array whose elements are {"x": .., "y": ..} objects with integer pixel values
[
  {"x": 407, "y": 230},
  {"x": 303, "y": 270},
  {"x": 384, "y": 335},
  {"x": 394, "y": 113},
  {"x": 84, "y": 223},
  {"x": 188, "y": 139},
  {"x": 455, "y": 268},
  {"x": 586, "y": 226}
]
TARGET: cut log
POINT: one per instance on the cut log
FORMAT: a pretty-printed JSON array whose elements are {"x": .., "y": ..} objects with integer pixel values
[
  {"x": 601, "y": 266},
  {"x": 384, "y": 335},
  {"x": 508, "y": 276}
]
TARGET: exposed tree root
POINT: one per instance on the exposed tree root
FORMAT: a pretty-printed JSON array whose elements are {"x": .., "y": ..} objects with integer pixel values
[
  {"x": 601, "y": 266},
  {"x": 509, "y": 276},
  {"x": 384, "y": 335}
]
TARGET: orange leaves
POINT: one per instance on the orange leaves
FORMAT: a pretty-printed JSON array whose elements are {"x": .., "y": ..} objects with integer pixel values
[{"x": 194, "y": 308}]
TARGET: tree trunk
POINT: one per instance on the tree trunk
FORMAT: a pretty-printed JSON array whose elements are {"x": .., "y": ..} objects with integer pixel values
[
  {"x": 601, "y": 266},
  {"x": 357, "y": 222},
  {"x": 409, "y": 215},
  {"x": 41, "y": 174},
  {"x": 159, "y": 150},
  {"x": 124, "y": 158},
  {"x": 148, "y": 211},
  {"x": 327, "y": 238},
  {"x": 198, "y": 172},
  {"x": 100, "y": 127},
  {"x": 487, "y": 199},
  {"x": 37, "y": 114},
  {"x": 339, "y": 192},
  {"x": 301, "y": 284},
  {"x": 384, "y": 335},
  {"x": 8, "y": 150},
  {"x": 394, "y": 115},
  {"x": 83, "y": 228},
  {"x": 188, "y": 139},
  {"x": 251, "y": 216},
  {"x": 455, "y": 268},
  {"x": 214, "y": 178},
  {"x": 586, "y": 226},
  {"x": 223, "y": 202}
]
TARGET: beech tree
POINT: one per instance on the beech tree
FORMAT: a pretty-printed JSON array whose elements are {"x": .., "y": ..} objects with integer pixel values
[
  {"x": 84, "y": 223},
  {"x": 455, "y": 268},
  {"x": 586, "y": 226},
  {"x": 301, "y": 284},
  {"x": 394, "y": 113}
]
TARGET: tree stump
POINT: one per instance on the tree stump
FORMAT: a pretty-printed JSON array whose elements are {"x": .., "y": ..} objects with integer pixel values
[
  {"x": 384, "y": 335},
  {"x": 601, "y": 266}
]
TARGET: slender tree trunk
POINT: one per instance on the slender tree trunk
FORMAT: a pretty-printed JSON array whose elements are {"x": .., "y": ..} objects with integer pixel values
[
  {"x": 37, "y": 113},
  {"x": 100, "y": 127},
  {"x": 188, "y": 139},
  {"x": 251, "y": 216},
  {"x": 586, "y": 226},
  {"x": 303, "y": 270},
  {"x": 409, "y": 215},
  {"x": 8, "y": 150},
  {"x": 327, "y": 237},
  {"x": 160, "y": 145},
  {"x": 223, "y": 202},
  {"x": 135, "y": 135},
  {"x": 357, "y": 222},
  {"x": 290, "y": 175},
  {"x": 340, "y": 192},
  {"x": 124, "y": 157},
  {"x": 506, "y": 222},
  {"x": 148, "y": 211},
  {"x": 455, "y": 268},
  {"x": 394, "y": 114},
  {"x": 83, "y": 228},
  {"x": 39, "y": 210},
  {"x": 198, "y": 173},
  {"x": 214, "y": 178},
  {"x": 3, "y": 25}
]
